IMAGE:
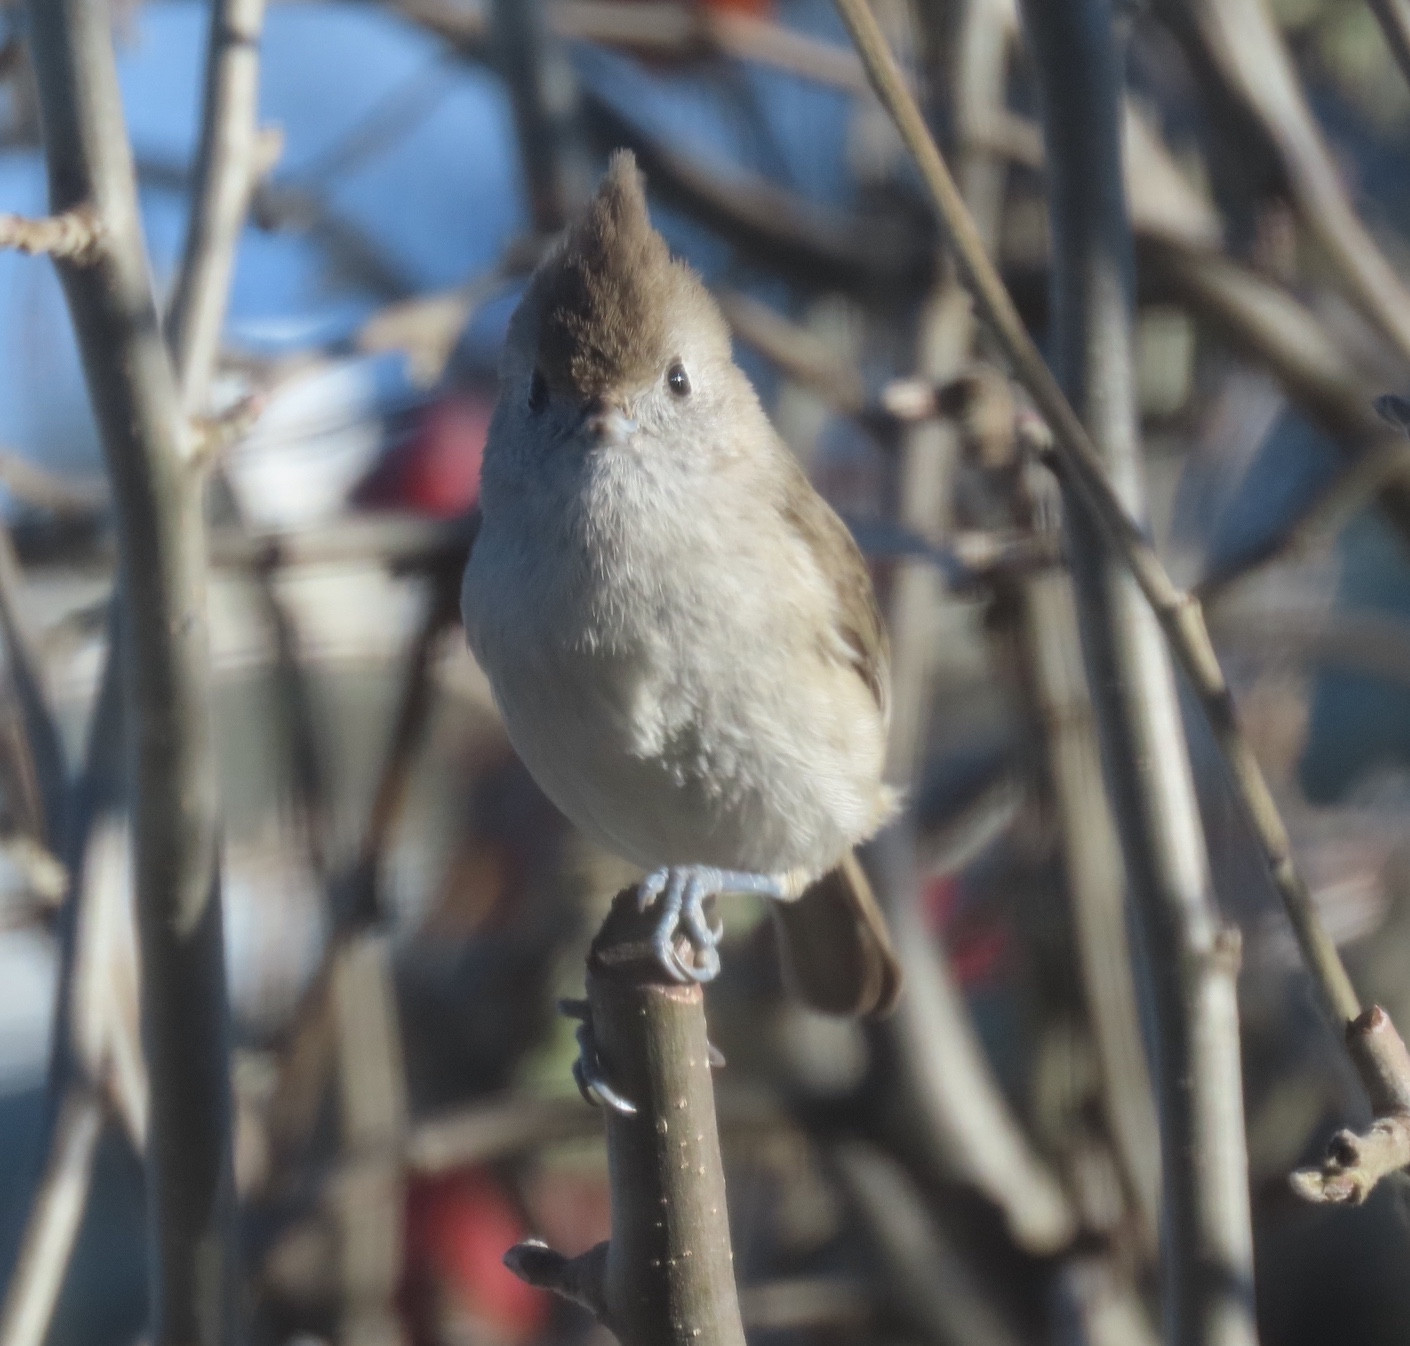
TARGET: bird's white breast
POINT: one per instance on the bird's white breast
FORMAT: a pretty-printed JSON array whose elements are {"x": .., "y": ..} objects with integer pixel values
[{"x": 654, "y": 641}]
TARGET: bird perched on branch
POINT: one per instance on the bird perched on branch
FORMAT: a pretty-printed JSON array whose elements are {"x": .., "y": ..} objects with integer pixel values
[{"x": 679, "y": 631}]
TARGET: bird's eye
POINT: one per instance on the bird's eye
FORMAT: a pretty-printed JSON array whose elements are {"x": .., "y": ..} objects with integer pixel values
[
  {"x": 538, "y": 393},
  {"x": 677, "y": 380}
]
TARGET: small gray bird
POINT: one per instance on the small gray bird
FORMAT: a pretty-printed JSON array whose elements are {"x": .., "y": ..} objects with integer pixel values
[{"x": 680, "y": 633}]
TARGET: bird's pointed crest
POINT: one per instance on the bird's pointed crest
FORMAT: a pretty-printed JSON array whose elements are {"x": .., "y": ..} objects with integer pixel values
[{"x": 603, "y": 297}]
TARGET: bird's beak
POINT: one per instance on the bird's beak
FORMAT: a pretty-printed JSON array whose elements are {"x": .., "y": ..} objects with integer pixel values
[{"x": 608, "y": 424}]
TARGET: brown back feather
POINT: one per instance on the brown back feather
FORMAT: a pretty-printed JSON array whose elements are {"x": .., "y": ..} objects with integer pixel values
[{"x": 860, "y": 634}]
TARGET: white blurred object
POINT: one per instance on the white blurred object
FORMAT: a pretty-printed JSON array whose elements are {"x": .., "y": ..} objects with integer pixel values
[{"x": 318, "y": 435}]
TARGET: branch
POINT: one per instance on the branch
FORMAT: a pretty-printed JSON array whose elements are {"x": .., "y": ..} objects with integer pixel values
[
  {"x": 227, "y": 169},
  {"x": 69, "y": 1081},
  {"x": 1243, "y": 49},
  {"x": 937, "y": 1292},
  {"x": 1191, "y": 963},
  {"x": 71, "y": 236},
  {"x": 667, "y": 1276},
  {"x": 41, "y": 736},
  {"x": 54, "y": 1222},
  {"x": 172, "y": 767},
  {"x": 1043, "y": 612},
  {"x": 1179, "y": 615},
  {"x": 1394, "y": 18},
  {"x": 950, "y": 1113},
  {"x": 544, "y": 93},
  {"x": 41, "y": 489},
  {"x": 1356, "y": 1163}
]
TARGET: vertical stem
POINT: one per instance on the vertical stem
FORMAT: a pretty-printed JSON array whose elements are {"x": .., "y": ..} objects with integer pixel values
[
  {"x": 225, "y": 177},
  {"x": 669, "y": 1275},
  {"x": 1208, "y": 1252},
  {"x": 161, "y": 537},
  {"x": 52, "y": 1228},
  {"x": 41, "y": 732},
  {"x": 666, "y": 1278},
  {"x": 1096, "y": 881},
  {"x": 372, "y": 1115},
  {"x": 545, "y": 99}
]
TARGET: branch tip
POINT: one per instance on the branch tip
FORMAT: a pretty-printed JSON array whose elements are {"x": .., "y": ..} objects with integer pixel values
[{"x": 1356, "y": 1163}]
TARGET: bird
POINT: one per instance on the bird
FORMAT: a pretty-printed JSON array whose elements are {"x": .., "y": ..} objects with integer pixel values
[{"x": 680, "y": 634}]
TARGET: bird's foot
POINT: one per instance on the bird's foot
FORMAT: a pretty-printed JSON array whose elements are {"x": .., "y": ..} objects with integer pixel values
[
  {"x": 587, "y": 1069},
  {"x": 681, "y": 892}
]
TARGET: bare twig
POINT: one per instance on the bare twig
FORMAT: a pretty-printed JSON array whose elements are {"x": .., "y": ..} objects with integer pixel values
[
  {"x": 936, "y": 1291},
  {"x": 956, "y": 1120},
  {"x": 91, "y": 794},
  {"x": 306, "y": 1058},
  {"x": 1208, "y": 1249},
  {"x": 39, "y": 488},
  {"x": 1356, "y": 1163},
  {"x": 1179, "y": 615},
  {"x": 666, "y": 1278},
  {"x": 951, "y": 1116},
  {"x": 157, "y": 504},
  {"x": 1054, "y": 687},
  {"x": 225, "y": 176},
  {"x": 72, "y": 236},
  {"x": 1247, "y": 53},
  {"x": 545, "y": 96},
  {"x": 659, "y": 28},
  {"x": 53, "y": 1226},
  {"x": 370, "y": 1195},
  {"x": 1394, "y": 18},
  {"x": 875, "y": 254},
  {"x": 42, "y": 739}
]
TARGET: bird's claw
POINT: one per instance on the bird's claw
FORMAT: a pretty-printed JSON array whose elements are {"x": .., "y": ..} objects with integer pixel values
[
  {"x": 681, "y": 893},
  {"x": 587, "y": 1069}
]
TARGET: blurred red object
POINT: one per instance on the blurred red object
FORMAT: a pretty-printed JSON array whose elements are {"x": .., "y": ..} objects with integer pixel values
[
  {"x": 435, "y": 470},
  {"x": 458, "y": 1228},
  {"x": 977, "y": 946}
]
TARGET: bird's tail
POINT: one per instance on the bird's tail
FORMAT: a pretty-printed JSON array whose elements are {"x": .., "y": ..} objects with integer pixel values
[{"x": 837, "y": 952}]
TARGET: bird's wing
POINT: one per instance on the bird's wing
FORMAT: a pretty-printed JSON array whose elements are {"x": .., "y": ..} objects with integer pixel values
[{"x": 858, "y": 635}]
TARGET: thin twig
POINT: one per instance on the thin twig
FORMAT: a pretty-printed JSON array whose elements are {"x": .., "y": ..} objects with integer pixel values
[
  {"x": 1394, "y": 18},
  {"x": 225, "y": 179},
  {"x": 54, "y": 1223},
  {"x": 1356, "y": 1163},
  {"x": 72, "y": 236},
  {"x": 94, "y": 792},
  {"x": 370, "y": 1197},
  {"x": 26, "y": 669},
  {"x": 1179, "y": 615},
  {"x": 950, "y": 1113},
  {"x": 174, "y": 798},
  {"x": 39, "y": 488},
  {"x": 544, "y": 93},
  {"x": 1246, "y": 52},
  {"x": 1053, "y": 685},
  {"x": 937, "y": 1292}
]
